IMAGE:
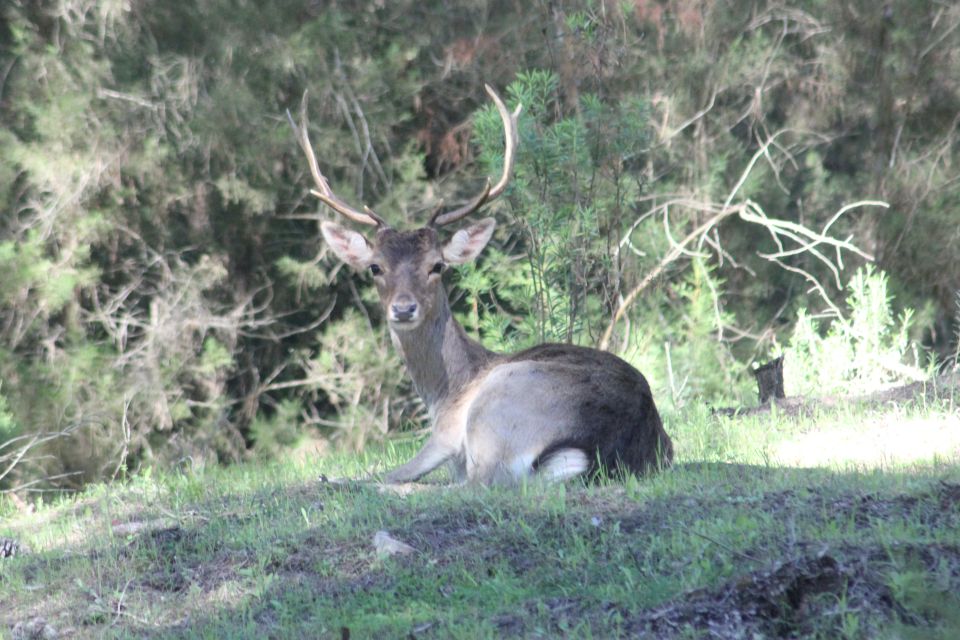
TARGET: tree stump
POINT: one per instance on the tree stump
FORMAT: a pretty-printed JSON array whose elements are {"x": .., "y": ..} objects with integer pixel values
[
  {"x": 770, "y": 380},
  {"x": 8, "y": 547}
]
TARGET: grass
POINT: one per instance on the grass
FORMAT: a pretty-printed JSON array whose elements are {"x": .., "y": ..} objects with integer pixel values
[{"x": 769, "y": 525}]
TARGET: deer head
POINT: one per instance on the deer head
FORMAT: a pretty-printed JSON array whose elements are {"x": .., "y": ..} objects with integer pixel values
[{"x": 407, "y": 266}]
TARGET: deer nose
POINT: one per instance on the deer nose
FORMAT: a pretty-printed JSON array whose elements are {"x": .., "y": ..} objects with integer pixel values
[{"x": 403, "y": 311}]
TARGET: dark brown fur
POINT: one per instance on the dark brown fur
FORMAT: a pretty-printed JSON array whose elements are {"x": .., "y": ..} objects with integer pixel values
[{"x": 620, "y": 427}]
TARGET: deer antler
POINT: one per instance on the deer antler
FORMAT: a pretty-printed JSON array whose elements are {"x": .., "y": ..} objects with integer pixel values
[
  {"x": 509, "y": 154},
  {"x": 323, "y": 191}
]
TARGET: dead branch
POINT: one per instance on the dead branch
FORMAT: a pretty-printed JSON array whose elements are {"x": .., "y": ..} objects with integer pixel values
[
  {"x": 18, "y": 448},
  {"x": 675, "y": 252},
  {"x": 808, "y": 241}
]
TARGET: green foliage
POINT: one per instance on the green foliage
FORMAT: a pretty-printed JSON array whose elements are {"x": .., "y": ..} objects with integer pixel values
[
  {"x": 361, "y": 376},
  {"x": 162, "y": 275},
  {"x": 8, "y": 428},
  {"x": 569, "y": 195},
  {"x": 861, "y": 352},
  {"x": 215, "y": 357},
  {"x": 276, "y": 434},
  {"x": 702, "y": 366},
  {"x": 33, "y": 276},
  {"x": 956, "y": 337},
  {"x": 926, "y": 595},
  {"x": 308, "y": 275}
]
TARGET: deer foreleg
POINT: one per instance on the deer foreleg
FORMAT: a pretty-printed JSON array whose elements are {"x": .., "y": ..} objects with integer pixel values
[{"x": 429, "y": 458}]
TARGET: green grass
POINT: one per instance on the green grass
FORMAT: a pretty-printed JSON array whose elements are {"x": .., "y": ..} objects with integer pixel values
[{"x": 763, "y": 526}]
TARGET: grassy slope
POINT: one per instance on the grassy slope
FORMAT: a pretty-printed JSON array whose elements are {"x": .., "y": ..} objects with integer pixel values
[{"x": 731, "y": 539}]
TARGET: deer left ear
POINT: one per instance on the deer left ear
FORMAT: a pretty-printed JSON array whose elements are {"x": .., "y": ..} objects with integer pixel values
[{"x": 466, "y": 244}]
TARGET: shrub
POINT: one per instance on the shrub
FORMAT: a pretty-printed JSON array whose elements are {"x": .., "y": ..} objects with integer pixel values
[{"x": 867, "y": 350}]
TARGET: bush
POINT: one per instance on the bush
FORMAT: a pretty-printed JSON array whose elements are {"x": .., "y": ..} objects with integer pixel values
[
  {"x": 867, "y": 350},
  {"x": 574, "y": 179}
]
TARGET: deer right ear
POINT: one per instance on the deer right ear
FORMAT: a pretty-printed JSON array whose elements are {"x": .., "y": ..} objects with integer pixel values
[{"x": 350, "y": 246}]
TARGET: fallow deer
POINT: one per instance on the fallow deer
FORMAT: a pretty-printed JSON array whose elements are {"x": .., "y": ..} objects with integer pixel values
[{"x": 555, "y": 410}]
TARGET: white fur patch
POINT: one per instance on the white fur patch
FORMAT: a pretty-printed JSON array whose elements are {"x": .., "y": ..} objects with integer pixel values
[
  {"x": 358, "y": 246},
  {"x": 563, "y": 465},
  {"x": 456, "y": 249},
  {"x": 521, "y": 466}
]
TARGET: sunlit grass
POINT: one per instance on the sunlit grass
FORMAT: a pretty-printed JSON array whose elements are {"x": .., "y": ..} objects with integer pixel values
[{"x": 268, "y": 549}]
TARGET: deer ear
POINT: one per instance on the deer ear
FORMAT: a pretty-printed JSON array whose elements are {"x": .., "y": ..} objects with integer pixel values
[
  {"x": 350, "y": 246},
  {"x": 466, "y": 244}
]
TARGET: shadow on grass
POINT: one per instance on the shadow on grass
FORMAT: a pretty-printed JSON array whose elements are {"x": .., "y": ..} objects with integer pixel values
[{"x": 732, "y": 548}]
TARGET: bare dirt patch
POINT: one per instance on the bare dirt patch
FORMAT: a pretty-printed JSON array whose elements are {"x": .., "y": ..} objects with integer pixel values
[
  {"x": 789, "y": 588},
  {"x": 801, "y": 597},
  {"x": 804, "y": 595}
]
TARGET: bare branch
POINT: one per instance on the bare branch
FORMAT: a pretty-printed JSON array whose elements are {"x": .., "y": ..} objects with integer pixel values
[
  {"x": 10, "y": 460},
  {"x": 808, "y": 241},
  {"x": 672, "y": 255}
]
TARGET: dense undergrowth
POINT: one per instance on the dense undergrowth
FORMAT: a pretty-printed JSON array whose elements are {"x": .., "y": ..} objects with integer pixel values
[{"x": 680, "y": 198}]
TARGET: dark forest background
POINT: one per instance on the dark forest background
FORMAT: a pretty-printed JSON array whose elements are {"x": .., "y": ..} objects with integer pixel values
[{"x": 701, "y": 184}]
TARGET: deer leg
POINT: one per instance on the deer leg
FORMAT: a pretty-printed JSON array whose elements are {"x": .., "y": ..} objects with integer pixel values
[
  {"x": 429, "y": 458},
  {"x": 458, "y": 469}
]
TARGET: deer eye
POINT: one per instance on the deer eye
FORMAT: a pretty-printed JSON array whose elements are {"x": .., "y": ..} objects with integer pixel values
[
  {"x": 376, "y": 270},
  {"x": 437, "y": 268}
]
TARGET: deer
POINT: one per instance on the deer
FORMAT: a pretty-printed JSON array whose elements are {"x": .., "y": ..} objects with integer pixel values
[{"x": 553, "y": 411}]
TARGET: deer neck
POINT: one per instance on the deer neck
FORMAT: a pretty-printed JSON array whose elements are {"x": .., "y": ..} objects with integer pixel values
[{"x": 440, "y": 357}]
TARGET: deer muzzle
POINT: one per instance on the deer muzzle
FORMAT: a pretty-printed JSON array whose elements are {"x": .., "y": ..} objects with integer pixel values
[{"x": 404, "y": 311}]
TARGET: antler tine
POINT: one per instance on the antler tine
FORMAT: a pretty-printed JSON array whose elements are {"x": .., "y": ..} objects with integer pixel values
[
  {"x": 511, "y": 139},
  {"x": 439, "y": 218},
  {"x": 509, "y": 155},
  {"x": 323, "y": 191}
]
